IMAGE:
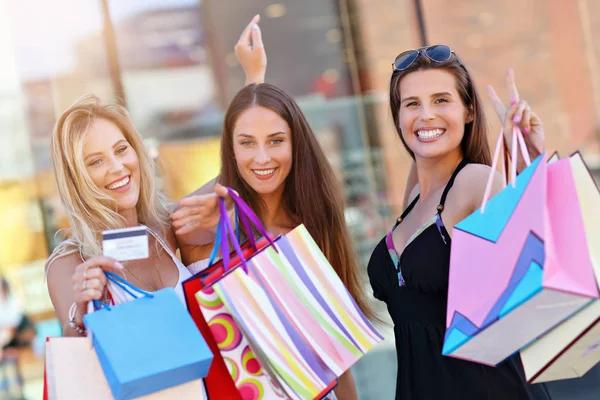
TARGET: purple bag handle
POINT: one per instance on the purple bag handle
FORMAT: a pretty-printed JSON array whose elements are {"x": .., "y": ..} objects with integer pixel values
[
  {"x": 227, "y": 230},
  {"x": 246, "y": 213},
  {"x": 247, "y": 227}
]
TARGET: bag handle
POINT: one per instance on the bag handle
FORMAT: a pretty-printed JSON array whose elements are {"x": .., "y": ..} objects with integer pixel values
[
  {"x": 246, "y": 212},
  {"x": 228, "y": 231},
  {"x": 518, "y": 142},
  {"x": 123, "y": 284}
]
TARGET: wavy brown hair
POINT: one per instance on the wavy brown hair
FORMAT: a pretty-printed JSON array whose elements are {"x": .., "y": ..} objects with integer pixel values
[
  {"x": 312, "y": 194},
  {"x": 475, "y": 147}
]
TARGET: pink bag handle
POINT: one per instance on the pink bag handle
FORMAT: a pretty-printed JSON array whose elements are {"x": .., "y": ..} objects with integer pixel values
[{"x": 517, "y": 137}]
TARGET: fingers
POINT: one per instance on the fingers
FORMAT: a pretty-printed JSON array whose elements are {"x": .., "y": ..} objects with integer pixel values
[
  {"x": 246, "y": 33},
  {"x": 526, "y": 121},
  {"x": 180, "y": 223},
  {"x": 185, "y": 212},
  {"x": 257, "y": 42},
  {"x": 222, "y": 192},
  {"x": 508, "y": 123},
  {"x": 511, "y": 86},
  {"x": 187, "y": 228},
  {"x": 89, "y": 280},
  {"x": 105, "y": 263},
  {"x": 496, "y": 102},
  {"x": 202, "y": 200},
  {"x": 519, "y": 115}
]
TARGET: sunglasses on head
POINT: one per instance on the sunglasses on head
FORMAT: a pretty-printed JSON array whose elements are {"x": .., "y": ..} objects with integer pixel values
[{"x": 436, "y": 53}]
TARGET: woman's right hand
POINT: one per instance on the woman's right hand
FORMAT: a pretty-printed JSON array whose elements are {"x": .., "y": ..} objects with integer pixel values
[
  {"x": 200, "y": 211},
  {"x": 89, "y": 282}
]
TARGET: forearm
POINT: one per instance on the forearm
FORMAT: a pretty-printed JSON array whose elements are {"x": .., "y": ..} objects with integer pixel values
[{"x": 346, "y": 389}]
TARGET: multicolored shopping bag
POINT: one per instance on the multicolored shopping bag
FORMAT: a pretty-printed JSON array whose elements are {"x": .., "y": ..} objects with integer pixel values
[
  {"x": 295, "y": 295},
  {"x": 573, "y": 347},
  {"x": 148, "y": 344},
  {"x": 519, "y": 265},
  {"x": 235, "y": 372}
]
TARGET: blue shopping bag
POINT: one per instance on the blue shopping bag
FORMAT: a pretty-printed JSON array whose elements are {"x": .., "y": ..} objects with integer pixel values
[{"x": 148, "y": 344}]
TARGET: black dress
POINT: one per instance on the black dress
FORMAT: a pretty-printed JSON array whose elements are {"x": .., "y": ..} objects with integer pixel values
[{"x": 416, "y": 298}]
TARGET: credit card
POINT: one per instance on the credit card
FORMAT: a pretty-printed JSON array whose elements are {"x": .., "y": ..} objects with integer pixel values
[{"x": 126, "y": 244}]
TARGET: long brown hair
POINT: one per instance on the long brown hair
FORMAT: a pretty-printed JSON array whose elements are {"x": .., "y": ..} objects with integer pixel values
[
  {"x": 312, "y": 195},
  {"x": 475, "y": 147}
]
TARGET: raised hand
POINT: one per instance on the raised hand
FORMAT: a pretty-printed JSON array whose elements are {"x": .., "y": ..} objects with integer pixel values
[
  {"x": 518, "y": 112},
  {"x": 250, "y": 52}
]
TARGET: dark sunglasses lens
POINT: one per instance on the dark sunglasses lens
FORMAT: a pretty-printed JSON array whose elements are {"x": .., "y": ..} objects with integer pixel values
[
  {"x": 438, "y": 53},
  {"x": 404, "y": 60}
]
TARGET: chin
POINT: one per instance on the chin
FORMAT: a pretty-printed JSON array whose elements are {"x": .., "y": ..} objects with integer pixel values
[
  {"x": 127, "y": 203},
  {"x": 265, "y": 188}
]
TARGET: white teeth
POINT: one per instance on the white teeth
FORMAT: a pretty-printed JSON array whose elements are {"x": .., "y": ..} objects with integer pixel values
[
  {"x": 119, "y": 184},
  {"x": 264, "y": 172},
  {"x": 430, "y": 134}
]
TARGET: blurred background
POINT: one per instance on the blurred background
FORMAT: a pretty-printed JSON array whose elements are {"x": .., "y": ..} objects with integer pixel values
[{"x": 171, "y": 63}]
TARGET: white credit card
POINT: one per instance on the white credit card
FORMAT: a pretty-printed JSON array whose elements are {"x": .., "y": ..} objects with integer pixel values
[{"x": 126, "y": 244}]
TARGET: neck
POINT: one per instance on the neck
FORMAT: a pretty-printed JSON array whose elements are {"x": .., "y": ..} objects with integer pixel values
[
  {"x": 434, "y": 173},
  {"x": 130, "y": 217},
  {"x": 275, "y": 215}
]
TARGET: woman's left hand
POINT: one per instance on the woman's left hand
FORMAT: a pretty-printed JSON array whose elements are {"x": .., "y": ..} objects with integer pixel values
[
  {"x": 519, "y": 113},
  {"x": 251, "y": 54}
]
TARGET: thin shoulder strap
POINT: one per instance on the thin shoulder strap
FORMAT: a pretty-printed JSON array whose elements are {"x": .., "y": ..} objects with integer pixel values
[
  {"x": 460, "y": 166},
  {"x": 408, "y": 209},
  {"x": 163, "y": 244}
]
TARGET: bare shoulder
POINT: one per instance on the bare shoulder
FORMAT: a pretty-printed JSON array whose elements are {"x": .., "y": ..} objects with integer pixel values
[
  {"x": 60, "y": 264},
  {"x": 474, "y": 173},
  {"x": 471, "y": 183}
]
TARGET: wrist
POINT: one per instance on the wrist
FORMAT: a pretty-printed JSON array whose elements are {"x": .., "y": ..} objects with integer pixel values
[
  {"x": 76, "y": 314},
  {"x": 255, "y": 78}
]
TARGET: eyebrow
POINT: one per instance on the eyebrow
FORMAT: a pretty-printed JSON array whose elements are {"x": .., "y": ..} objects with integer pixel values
[
  {"x": 433, "y": 95},
  {"x": 100, "y": 153},
  {"x": 245, "y": 135}
]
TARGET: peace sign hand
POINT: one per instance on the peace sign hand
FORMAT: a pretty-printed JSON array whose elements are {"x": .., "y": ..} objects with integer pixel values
[{"x": 518, "y": 112}]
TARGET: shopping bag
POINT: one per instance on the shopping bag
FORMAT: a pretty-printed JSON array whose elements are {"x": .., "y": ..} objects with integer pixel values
[
  {"x": 74, "y": 373},
  {"x": 572, "y": 348},
  {"x": 519, "y": 265},
  {"x": 223, "y": 378},
  {"x": 294, "y": 298},
  {"x": 250, "y": 370},
  {"x": 148, "y": 344}
]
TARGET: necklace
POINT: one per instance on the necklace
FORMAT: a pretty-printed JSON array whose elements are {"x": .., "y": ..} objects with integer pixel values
[{"x": 146, "y": 284}]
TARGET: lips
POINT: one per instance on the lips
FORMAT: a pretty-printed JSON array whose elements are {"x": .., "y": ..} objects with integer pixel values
[
  {"x": 264, "y": 174},
  {"x": 429, "y": 134},
  {"x": 119, "y": 183}
]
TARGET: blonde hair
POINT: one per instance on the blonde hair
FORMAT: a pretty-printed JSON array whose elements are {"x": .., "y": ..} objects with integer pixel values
[{"x": 89, "y": 210}]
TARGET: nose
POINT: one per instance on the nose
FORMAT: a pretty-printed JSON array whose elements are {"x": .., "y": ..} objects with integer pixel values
[
  {"x": 262, "y": 156},
  {"x": 427, "y": 113},
  {"x": 115, "y": 165}
]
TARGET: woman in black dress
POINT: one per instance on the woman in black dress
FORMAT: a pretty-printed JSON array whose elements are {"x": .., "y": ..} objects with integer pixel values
[{"x": 439, "y": 117}]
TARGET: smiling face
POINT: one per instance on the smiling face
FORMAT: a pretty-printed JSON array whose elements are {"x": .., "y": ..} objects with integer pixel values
[
  {"x": 262, "y": 145},
  {"x": 432, "y": 116},
  {"x": 112, "y": 164}
]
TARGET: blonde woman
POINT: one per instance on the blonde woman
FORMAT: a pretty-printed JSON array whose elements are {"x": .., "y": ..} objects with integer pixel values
[{"x": 106, "y": 180}]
